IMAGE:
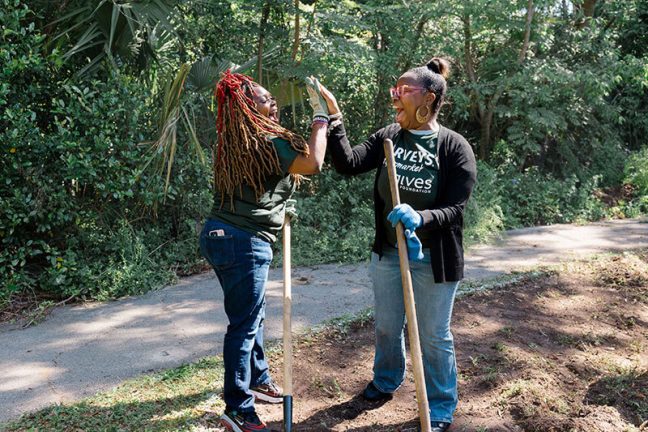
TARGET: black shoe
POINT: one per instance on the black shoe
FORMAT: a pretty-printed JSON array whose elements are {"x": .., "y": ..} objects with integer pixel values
[
  {"x": 372, "y": 394},
  {"x": 436, "y": 426}
]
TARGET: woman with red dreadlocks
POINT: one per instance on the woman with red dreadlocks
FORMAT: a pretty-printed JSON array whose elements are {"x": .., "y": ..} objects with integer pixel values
[{"x": 256, "y": 168}]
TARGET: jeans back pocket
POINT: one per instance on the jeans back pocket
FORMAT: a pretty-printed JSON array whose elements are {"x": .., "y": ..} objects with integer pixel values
[{"x": 218, "y": 250}]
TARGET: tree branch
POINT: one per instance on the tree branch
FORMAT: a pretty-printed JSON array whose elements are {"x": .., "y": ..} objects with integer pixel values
[
  {"x": 406, "y": 58},
  {"x": 470, "y": 69}
]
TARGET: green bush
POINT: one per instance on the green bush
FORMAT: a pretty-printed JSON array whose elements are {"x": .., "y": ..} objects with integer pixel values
[
  {"x": 336, "y": 220},
  {"x": 76, "y": 214},
  {"x": 483, "y": 216},
  {"x": 636, "y": 171},
  {"x": 533, "y": 198},
  {"x": 636, "y": 175}
]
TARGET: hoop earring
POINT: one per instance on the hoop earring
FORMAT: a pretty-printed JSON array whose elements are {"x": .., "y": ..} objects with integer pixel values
[{"x": 423, "y": 118}]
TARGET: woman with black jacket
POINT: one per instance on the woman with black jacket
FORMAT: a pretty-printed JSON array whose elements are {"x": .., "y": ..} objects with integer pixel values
[{"x": 436, "y": 172}]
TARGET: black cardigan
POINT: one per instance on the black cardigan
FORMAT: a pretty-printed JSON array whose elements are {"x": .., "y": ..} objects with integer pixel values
[{"x": 457, "y": 176}]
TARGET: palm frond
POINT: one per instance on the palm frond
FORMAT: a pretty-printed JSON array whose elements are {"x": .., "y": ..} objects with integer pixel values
[
  {"x": 119, "y": 29},
  {"x": 204, "y": 74},
  {"x": 165, "y": 146}
]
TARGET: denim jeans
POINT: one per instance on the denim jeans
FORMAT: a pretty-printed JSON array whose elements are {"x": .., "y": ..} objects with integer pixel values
[
  {"x": 434, "y": 303},
  {"x": 241, "y": 261}
]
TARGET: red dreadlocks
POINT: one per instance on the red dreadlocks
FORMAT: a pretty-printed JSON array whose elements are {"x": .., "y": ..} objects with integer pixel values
[{"x": 244, "y": 154}]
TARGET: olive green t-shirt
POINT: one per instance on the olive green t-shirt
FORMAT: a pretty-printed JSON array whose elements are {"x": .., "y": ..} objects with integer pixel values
[
  {"x": 263, "y": 217},
  {"x": 417, "y": 172}
]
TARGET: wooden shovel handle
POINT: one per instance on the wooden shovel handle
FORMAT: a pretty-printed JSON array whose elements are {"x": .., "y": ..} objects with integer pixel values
[
  {"x": 287, "y": 310},
  {"x": 408, "y": 296}
]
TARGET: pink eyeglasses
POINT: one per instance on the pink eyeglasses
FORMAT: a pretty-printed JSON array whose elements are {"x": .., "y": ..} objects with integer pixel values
[{"x": 397, "y": 92}]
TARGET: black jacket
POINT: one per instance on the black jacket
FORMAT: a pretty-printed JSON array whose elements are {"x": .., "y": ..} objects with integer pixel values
[{"x": 457, "y": 176}]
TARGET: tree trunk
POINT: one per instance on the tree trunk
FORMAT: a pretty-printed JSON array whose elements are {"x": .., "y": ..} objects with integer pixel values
[
  {"x": 295, "y": 46},
  {"x": 527, "y": 32},
  {"x": 265, "y": 15},
  {"x": 585, "y": 12},
  {"x": 588, "y": 8},
  {"x": 476, "y": 106},
  {"x": 483, "y": 107},
  {"x": 542, "y": 156},
  {"x": 485, "y": 135}
]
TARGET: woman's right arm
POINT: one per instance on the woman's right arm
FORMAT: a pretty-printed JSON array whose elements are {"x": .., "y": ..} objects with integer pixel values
[
  {"x": 347, "y": 160},
  {"x": 312, "y": 164}
]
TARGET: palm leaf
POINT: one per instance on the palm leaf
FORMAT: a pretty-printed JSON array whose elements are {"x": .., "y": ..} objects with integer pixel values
[
  {"x": 165, "y": 146},
  {"x": 123, "y": 29},
  {"x": 204, "y": 74},
  {"x": 87, "y": 40}
]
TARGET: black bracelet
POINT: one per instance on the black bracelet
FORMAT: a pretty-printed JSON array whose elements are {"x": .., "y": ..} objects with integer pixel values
[{"x": 335, "y": 123}]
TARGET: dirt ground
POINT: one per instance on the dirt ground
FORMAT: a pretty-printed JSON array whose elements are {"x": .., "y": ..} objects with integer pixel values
[{"x": 565, "y": 351}]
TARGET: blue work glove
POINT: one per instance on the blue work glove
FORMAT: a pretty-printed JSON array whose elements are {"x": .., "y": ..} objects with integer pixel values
[
  {"x": 407, "y": 215},
  {"x": 317, "y": 102},
  {"x": 414, "y": 246}
]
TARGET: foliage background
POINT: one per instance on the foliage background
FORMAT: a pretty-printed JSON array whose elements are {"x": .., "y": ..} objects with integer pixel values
[{"x": 96, "y": 110}]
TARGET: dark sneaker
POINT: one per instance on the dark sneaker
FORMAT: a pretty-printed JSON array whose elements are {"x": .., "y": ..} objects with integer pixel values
[
  {"x": 437, "y": 426},
  {"x": 372, "y": 394},
  {"x": 242, "y": 422},
  {"x": 269, "y": 392}
]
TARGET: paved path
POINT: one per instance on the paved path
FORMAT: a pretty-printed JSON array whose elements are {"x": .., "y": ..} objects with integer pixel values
[{"x": 80, "y": 350}]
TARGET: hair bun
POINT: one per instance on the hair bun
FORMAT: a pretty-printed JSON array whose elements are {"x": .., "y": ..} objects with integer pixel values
[{"x": 440, "y": 66}]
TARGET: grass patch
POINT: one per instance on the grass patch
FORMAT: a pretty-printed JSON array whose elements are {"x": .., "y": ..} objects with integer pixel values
[
  {"x": 470, "y": 286},
  {"x": 625, "y": 391},
  {"x": 171, "y": 400},
  {"x": 185, "y": 398}
]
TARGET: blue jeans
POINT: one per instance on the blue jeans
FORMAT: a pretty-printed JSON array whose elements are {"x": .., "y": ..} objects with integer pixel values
[
  {"x": 241, "y": 261},
  {"x": 434, "y": 303}
]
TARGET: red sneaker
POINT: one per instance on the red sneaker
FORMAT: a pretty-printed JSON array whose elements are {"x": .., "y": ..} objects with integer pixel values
[
  {"x": 269, "y": 392},
  {"x": 242, "y": 422}
]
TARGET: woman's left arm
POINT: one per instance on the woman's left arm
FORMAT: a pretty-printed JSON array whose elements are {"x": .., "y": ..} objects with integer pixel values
[{"x": 462, "y": 175}]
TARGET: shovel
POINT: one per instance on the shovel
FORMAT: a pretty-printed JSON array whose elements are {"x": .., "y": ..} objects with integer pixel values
[
  {"x": 408, "y": 295},
  {"x": 287, "y": 325}
]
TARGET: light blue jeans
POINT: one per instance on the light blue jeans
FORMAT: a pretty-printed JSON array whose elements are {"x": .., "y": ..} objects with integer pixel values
[{"x": 434, "y": 303}]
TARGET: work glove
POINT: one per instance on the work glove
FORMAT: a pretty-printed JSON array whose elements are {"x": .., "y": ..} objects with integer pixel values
[
  {"x": 317, "y": 102},
  {"x": 407, "y": 215},
  {"x": 414, "y": 246},
  {"x": 291, "y": 210}
]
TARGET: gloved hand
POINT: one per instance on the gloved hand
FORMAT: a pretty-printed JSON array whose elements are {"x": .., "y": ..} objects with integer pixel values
[
  {"x": 291, "y": 210},
  {"x": 317, "y": 102},
  {"x": 414, "y": 246},
  {"x": 407, "y": 215}
]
